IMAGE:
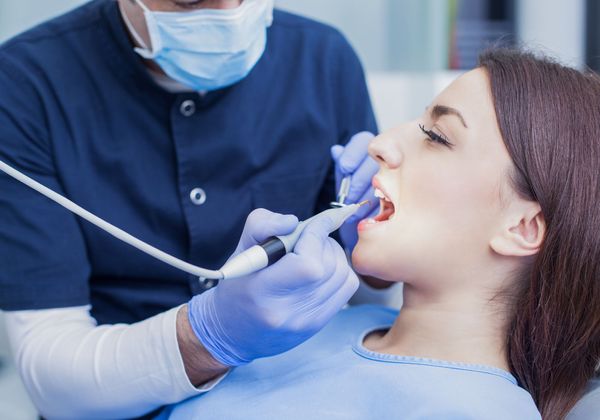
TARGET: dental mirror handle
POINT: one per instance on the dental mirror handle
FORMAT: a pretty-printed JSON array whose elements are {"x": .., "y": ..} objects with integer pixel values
[
  {"x": 344, "y": 189},
  {"x": 273, "y": 249}
]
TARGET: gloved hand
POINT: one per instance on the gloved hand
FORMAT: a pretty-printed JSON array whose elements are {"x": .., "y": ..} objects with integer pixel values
[
  {"x": 281, "y": 306},
  {"x": 354, "y": 160}
]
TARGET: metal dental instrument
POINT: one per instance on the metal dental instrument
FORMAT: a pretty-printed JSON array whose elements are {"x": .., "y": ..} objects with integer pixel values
[
  {"x": 343, "y": 193},
  {"x": 249, "y": 261}
]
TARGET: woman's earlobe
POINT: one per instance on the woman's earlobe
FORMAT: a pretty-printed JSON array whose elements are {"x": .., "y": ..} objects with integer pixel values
[{"x": 523, "y": 238}]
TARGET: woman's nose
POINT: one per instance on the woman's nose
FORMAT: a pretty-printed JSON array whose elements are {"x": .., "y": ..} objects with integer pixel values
[{"x": 385, "y": 151}]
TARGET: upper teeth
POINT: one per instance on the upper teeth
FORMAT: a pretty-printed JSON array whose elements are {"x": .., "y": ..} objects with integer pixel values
[{"x": 380, "y": 194}]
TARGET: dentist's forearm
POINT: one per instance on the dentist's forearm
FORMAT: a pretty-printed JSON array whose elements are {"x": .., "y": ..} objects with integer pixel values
[
  {"x": 75, "y": 369},
  {"x": 200, "y": 366}
]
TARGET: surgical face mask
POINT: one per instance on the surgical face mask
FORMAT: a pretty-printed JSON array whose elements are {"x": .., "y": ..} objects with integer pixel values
[{"x": 206, "y": 49}]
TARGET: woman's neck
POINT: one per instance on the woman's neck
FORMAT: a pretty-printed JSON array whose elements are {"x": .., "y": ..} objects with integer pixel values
[{"x": 460, "y": 328}]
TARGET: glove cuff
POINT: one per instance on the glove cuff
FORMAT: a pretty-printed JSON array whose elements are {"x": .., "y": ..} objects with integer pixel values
[{"x": 203, "y": 318}]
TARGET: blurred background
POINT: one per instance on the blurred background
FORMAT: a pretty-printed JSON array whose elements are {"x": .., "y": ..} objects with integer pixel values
[{"x": 411, "y": 49}]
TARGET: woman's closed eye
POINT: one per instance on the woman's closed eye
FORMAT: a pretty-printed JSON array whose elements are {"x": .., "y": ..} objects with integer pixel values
[{"x": 434, "y": 137}]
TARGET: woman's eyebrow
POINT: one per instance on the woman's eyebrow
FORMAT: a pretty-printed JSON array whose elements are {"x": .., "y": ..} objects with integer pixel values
[{"x": 440, "y": 110}]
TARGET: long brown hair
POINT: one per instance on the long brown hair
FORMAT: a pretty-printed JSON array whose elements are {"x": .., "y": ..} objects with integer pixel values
[{"x": 549, "y": 118}]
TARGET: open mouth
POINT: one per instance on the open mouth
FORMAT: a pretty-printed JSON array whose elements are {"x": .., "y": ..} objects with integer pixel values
[{"x": 386, "y": 207}]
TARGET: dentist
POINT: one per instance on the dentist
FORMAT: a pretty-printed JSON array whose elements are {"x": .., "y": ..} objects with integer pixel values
[{"x": 171, "y": 119}]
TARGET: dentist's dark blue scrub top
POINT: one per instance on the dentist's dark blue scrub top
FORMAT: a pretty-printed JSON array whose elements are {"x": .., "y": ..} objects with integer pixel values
[{"x": 80, "y": 113}]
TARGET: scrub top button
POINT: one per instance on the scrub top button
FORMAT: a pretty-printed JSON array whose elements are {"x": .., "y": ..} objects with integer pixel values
[
  {"x": 187, "y": 108},
  {"x": 207, "y": 283},
  {"x": 198, "y": 196}
]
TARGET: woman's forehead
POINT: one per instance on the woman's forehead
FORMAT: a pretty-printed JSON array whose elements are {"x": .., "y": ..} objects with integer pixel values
[{"x": 471, "y": 95}]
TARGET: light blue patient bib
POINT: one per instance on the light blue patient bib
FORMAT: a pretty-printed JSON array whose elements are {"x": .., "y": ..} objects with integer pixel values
[{"x": 332, "y": 376}]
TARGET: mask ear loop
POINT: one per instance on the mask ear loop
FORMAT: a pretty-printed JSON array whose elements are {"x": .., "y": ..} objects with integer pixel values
[{"x": 144, "y": 51}]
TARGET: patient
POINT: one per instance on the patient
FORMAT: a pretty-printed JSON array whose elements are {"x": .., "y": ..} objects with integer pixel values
[{"x": 490, "y": 216}]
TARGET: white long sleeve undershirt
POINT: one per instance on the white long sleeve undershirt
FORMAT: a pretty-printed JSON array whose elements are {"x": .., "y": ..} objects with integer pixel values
[{"x": 73, "y": 368}]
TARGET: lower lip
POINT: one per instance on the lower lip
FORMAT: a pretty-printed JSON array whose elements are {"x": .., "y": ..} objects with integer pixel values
[{"x": 366, "y": 224}]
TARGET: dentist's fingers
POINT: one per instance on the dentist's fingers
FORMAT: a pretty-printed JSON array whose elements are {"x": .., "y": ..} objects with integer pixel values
[
  {"x": 314, "y": 236},
  {"x": 336, "y": 152},
  {"x": 339, "y": 275},
  {"x": 355, "y": 152},
  {"x": 262, "y": 224},
  {"x": 337, "y": 301},
  {"x": 362, "y": 179},
  {"x": 334, "y": 292},
  {"x": 312, "y": 261}
]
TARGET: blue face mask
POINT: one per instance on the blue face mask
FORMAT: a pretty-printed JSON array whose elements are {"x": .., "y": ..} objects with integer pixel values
[{"x": 207, "y": 49}]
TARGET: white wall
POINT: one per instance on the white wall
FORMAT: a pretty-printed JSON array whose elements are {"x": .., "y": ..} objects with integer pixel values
[
  {"x": 362, "y": 22},
  {"x": 387, "y": 34},
  {"x": 555, "y": 26},
  {"x": 401, "y": 96},
  {"x": 17, "y": 15}
]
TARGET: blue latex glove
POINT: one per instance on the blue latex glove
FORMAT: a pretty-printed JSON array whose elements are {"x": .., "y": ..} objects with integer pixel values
[
  {"x": 281, "y": 306},
  {"x": 354, "y": 160}
]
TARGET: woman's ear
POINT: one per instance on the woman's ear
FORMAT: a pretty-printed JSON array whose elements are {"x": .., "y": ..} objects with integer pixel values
[{"x": 523, "y": 233}]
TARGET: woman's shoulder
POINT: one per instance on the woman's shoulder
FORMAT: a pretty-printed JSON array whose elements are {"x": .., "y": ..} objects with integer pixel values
[
  {"x": 446, "y": 389},
  {"x": 483, "y": 395},
  {"x": 455, "y": 390},
  {"x": 506, "y": 401}
]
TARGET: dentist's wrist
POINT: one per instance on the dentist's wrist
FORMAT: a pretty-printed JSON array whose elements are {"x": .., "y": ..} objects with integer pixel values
[{"x": 200, "y": 365}]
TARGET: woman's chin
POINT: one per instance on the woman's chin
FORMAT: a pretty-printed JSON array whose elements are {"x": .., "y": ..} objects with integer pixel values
[
  {"x": 362, "y": 262},
  {"x": 369, "y": 261}
]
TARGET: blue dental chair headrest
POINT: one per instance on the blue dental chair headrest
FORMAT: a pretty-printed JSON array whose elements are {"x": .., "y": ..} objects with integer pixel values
[{"x": 588, "y": 408}]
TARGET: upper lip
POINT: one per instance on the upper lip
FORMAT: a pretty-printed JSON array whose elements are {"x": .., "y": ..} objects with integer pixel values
[{"x": 377, "y": 184}]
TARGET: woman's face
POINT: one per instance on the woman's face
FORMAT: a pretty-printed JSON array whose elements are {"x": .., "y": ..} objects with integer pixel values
[{"x": 444, "y": 182}]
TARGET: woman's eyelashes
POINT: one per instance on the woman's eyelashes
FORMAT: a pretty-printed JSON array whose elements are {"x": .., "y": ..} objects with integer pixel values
[{"x": 434, "y": 137}]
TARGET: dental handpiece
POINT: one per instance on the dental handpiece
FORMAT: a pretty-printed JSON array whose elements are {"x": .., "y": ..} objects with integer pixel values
[
  {"x": 270, "y": 251},
  {"x": 249, "y": 261}
]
